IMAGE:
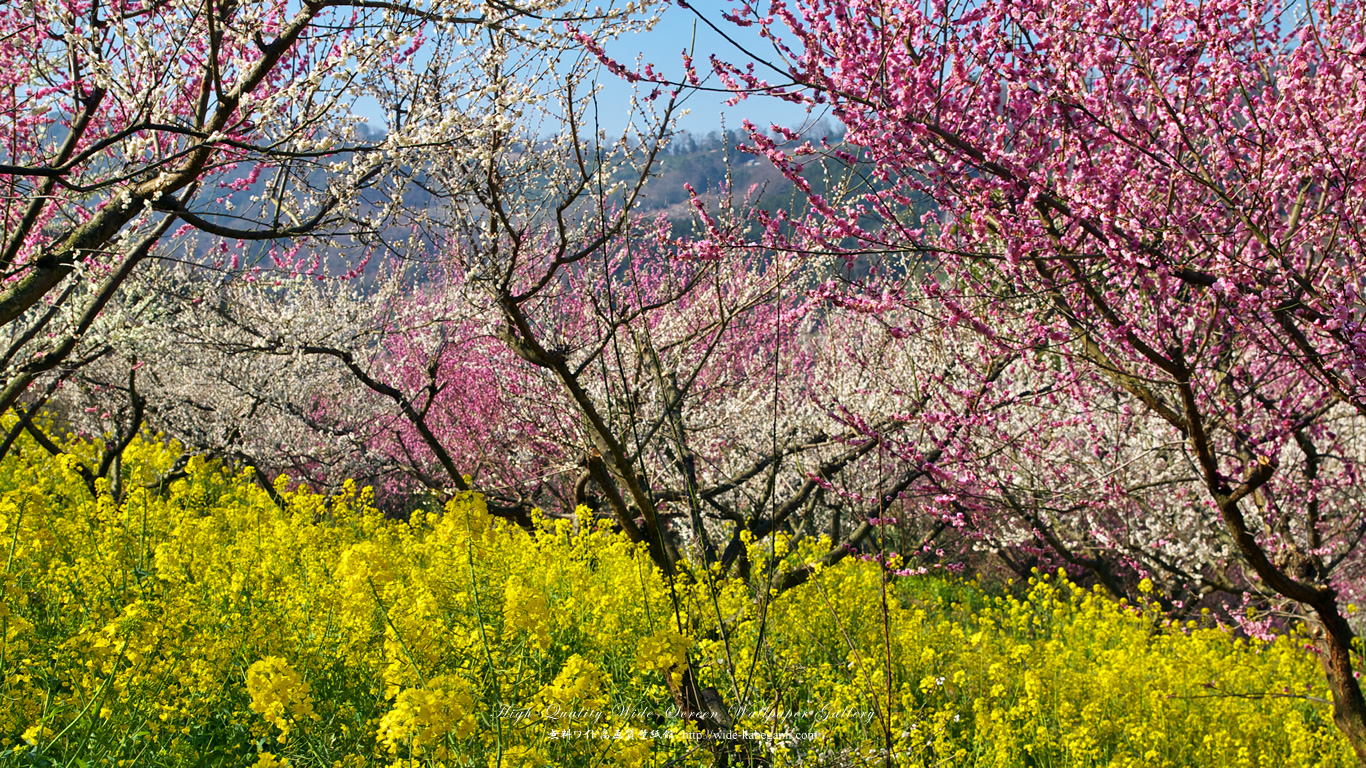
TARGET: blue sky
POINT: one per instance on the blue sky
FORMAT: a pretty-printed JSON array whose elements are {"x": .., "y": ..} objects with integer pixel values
[
  {"x": 680, "y": 29},
  {"x": 677, "y": 30}
]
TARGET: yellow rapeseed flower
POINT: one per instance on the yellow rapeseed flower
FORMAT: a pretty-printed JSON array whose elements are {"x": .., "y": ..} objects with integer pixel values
[{"x": 279, "y": 694}]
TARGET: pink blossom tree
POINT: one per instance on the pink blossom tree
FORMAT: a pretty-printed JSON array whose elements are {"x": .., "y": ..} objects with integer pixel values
[{"x": 1157, "y": 201}]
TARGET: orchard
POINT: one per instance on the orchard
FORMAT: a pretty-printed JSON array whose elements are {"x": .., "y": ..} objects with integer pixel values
[{"x": 1031, "y": 423}]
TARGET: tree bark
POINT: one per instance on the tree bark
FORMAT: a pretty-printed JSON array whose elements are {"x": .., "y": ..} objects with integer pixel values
[{"x": 1335, "y": 638}]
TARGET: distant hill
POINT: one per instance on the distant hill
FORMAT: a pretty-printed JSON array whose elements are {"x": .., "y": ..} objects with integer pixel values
[
  {"x": 722, "y": 174},
  {"x": 711, "y": 164}
]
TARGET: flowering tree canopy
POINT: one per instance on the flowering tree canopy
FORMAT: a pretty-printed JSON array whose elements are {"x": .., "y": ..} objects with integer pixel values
[
  {"x": 224, "y": 133},
  {"x": 1164, "y": 198}
]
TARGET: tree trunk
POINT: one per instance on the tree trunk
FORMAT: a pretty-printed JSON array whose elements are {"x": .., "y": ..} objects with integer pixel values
[{"x": 1335, "y": 646}]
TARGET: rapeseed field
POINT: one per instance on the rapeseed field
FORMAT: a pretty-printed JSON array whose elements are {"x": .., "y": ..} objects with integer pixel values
[{"x": 197, "y": 622}]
